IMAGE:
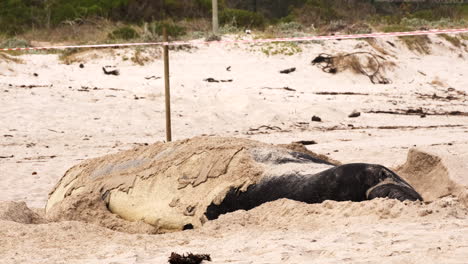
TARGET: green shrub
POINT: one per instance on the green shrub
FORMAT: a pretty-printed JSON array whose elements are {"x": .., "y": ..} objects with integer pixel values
[
  {"x": 172, "y": 29},
  {"x": 289, "y": 27},
  {"x": 281, "y": 48},
  {"x": 16, "y": 16},
  {"x": 196, "y": 35},
  {"x": 229, "y": 29},
  {"x": 385, "y": 19},
  {"x": 415, "y": 22},
  {"x": 241, "y": 18},
  {"x": 125, "y": 33},
  {"x": 337, "y": 25},
  {"x": 427, "y": 15},
  {"x": 443, "y": 22},
  {"x": 63, "y": 12},
  {"x": 14, "y": 43},
  {"x": 463, "y": 11},
  {"x": 317, "y": 12},
  {"x": 397, "y": 28},
  {"x": 213, "y": 37},
  {"x": 447, "y": 22}
]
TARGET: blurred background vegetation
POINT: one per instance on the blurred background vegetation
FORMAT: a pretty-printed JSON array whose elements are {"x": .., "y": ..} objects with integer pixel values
[{"x": 130, "y": 19}]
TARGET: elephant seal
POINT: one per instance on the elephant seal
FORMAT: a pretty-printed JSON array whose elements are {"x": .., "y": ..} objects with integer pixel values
[
  {"x": 180, "y": 185},
  {"x": 350, "y": 182}
]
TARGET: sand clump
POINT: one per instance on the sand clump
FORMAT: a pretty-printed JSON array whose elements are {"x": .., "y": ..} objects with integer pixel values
[
  {"x": 19, "y": 212},
  {"x": 428, "y": 174}
]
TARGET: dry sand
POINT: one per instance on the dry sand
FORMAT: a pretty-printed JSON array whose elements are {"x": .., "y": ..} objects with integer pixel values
[{"x": 46, "y": 129}]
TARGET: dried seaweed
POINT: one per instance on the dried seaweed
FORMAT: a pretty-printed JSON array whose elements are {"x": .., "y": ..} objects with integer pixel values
[
  {"x": 188, "y": 258},
  {"x": 330, "y": 64}
]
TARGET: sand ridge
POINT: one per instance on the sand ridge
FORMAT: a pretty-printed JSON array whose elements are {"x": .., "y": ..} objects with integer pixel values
[{"x": 281, "y": 231}]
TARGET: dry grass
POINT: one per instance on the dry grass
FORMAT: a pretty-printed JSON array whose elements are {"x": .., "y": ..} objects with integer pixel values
[
  {"x": 199, "y": 24},
  {"x": 143, "y": 56},
  {"x": 388, "y": 65},
  {"x": 8, "y": 58},
  {"x": 70, "y": 56},
  {"x": 97, "y": 31},
  {"x": 139, "y": 56},
  {"x": 91, "y": 31},
  {"x": 420, "y": 44},
  {"x": 452, "y": 39},
  {"x": 280, "y": 48},
  {"x": 373, "y": 43},
  {"x": 355, "y": 63}
]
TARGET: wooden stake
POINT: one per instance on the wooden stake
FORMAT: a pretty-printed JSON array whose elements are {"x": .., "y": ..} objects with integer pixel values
[
  {"x": 215, "y": 16},
  {"x": 167, "y": 88}
]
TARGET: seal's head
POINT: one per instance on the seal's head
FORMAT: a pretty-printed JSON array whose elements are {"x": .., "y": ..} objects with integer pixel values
[
  {"x": 392, "y": 186},
  {"x": 393, "y": 191}
]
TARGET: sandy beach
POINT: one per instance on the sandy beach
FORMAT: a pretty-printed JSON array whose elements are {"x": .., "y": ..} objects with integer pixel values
[{"x": 55, "y": 115}]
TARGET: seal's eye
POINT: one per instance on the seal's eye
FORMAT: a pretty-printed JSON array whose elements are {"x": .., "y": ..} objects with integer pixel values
[{"x": 383, "y": 175}]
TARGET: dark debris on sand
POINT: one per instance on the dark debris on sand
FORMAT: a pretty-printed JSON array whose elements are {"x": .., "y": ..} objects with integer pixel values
[{"x": 189, "y": 258}]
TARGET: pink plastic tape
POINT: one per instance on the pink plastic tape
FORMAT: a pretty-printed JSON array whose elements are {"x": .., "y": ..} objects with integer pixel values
[{"x": 179, "y": 43}]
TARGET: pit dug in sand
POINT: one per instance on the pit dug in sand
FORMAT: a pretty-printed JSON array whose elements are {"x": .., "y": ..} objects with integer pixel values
[{"x": 181, "y": 185}]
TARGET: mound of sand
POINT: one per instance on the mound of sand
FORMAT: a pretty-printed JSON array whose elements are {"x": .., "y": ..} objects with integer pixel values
[
  {"x": 164, "y": 187},
  {"x": 282, "y": 231},
  {"x": 285, "y": 212},
  {"x": 428, "y": 173},
  {"x": 19, "y": 212}
]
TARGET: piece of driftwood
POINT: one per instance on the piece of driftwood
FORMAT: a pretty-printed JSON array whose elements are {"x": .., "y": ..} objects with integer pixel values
[
  {"x": 340, "y": 93},
  {"x": 214, "y": 80},
  {"x": 265, "y": 127},
  {"x": 152, "y": 77},
  {"x": 355, "y": 114},
  {"x": 306, "y": 142},
  {"x": 282, "y": 88},
  {"x": 188, "y": 258},
  {"x": 30, "y": 86},
  {"x": 109, "y": 70},
  {"x": 418, "y": 111},
  {"x": 287, "y": 71}
]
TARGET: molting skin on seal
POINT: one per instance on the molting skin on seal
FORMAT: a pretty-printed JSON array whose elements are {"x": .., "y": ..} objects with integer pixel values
[{"x": 351, "y": 182}]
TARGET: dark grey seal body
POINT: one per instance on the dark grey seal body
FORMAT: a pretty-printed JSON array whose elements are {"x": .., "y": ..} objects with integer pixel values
[{"x": 350, "y": 182}]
